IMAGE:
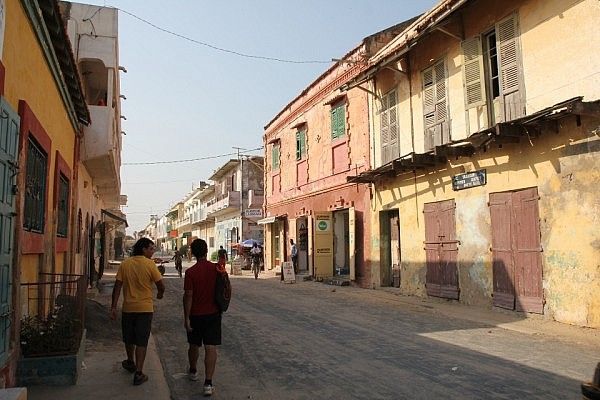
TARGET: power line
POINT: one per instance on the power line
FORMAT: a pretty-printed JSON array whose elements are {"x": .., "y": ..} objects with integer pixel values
[
  {"x": 211, "y": 46},
  {"x": 190, "y": 159}
]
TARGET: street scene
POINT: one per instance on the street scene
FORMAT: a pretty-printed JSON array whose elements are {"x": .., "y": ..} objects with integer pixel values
[{"x": 391, "y": 199}]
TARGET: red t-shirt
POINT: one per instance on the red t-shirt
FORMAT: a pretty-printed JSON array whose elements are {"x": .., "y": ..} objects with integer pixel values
[{"x": 201, "y": 279}]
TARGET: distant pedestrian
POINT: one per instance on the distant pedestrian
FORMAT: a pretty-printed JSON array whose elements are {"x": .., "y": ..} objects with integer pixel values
[
  {"x": 136, "y": 276},
  {"x": 178, "y": 257},
  {"x": 222, "y": 256},
  {"x": 201, "y": 315},
  {"x": 294, "y": 254}
]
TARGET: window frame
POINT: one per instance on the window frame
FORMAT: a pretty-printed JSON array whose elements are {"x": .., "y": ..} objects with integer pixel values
[
  {"x": 301, "y": 150},
  {"x": 62, "y": 205},
  {"x": 35, "y": 183},
  {"x": 338, "y": 123},
  {"x": 276, "y": 161}
]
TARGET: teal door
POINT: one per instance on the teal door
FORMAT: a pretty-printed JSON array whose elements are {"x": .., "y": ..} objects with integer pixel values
[{"x": 9, "y": 131}]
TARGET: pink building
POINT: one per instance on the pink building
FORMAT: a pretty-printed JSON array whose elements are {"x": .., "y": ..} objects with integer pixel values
[{"x": 312, "y": 146}]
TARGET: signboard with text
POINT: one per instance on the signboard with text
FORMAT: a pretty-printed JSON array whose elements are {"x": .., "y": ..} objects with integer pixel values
[
  {"x": 469, "y": 180},
  {"x": 323, "y": 245},
  {"x": 253, "y": 213},
  {"x": 288, "y": 272}
]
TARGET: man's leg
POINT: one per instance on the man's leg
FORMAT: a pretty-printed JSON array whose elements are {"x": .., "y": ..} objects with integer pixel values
[
  {"x": 140, "y": 357},
  {"x": 210, "y": 361},
  {"x": 193, "y": 354},
  {"x": 130, "y": 350}
]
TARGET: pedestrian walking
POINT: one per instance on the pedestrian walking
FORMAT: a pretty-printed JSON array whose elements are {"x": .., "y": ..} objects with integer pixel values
[
  {"x": 135, "y": 276},
  {"x": 221, "y": 255},
  {"x": 201, "y": 315},
  {"x": 294, "y": 254},
  {"x": 178, "y": 257}
]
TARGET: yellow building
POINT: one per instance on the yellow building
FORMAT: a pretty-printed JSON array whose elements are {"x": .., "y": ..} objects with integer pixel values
[
  {"x": 485, "y": 122},
  {"x": 43, "y": 110}
]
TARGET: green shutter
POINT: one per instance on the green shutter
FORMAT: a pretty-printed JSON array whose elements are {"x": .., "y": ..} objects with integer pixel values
[
  {"x": 275, "y": 157},
  {"x": 300, "y": 144},
  {"x": 338, "y": 121}
]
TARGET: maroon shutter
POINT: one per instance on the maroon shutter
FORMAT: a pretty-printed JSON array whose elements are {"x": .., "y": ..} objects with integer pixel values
[
  {"x": 448, "y": 250},
  {"x": 502, "y": 254},
  {"x": 433, "y": 275},
  {"x": 527, "y": 252}
]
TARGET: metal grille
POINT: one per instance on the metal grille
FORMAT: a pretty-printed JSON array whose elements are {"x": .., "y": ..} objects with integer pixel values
[
  {"x": 35, "y": 187},
  {"x": 63, "y": 206}
]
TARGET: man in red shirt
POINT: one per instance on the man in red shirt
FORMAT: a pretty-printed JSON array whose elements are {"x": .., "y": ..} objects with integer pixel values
[{"x": 201, "y": 316}]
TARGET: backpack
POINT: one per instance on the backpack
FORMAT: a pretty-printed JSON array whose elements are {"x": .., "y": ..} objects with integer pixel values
[{"x": 222, "y": 291}]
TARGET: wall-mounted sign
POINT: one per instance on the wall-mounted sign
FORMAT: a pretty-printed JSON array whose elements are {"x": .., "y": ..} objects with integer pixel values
[
  {"x": 253, "y": 213},
  {"x": 469, "y": 180}
]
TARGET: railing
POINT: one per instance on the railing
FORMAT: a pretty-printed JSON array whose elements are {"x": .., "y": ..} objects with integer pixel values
[
  {"x": 230, "y": 199},
  {"x": 183, "y": 221},
  {"x": 55, "y": 313}
]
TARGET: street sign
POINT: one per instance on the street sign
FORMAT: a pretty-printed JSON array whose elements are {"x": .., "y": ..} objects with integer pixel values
[
  {"x": 253, "y": 213},
  {"x": 469, "y": 180}
]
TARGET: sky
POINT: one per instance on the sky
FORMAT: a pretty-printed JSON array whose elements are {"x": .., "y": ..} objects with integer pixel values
[{"x": 186, "y": 100}]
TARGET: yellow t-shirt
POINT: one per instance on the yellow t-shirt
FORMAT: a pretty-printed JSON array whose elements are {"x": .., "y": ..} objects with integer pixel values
[{"x": 138, "y": 275}]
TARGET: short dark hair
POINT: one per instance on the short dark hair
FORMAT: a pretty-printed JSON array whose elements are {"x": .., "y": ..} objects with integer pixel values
[
  {"x": 140, "y": 245},
  {"x": 199, "y": 248}
]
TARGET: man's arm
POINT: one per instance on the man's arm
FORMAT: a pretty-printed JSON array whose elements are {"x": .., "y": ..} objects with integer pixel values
[
  {"x": 187, "y": 309},
  {"x": 115, "y": 298},
  {"x": 161, "y": 289}
]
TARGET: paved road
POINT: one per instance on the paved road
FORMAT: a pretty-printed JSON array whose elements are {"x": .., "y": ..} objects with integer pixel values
[{"x": 309, "y": 340}]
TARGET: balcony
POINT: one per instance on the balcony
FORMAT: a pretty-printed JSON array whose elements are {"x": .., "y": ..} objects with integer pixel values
[
  {"x": 223, "y": 204},
  {"x": 183, "y": 222},
  {"x": 101, "y": 151}
]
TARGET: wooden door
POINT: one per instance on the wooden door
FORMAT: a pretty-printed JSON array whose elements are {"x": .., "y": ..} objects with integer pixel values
[
  {"x": 441, "y": 249},
  {"x": 9, "y": 131},
  {"x": 516, "y": 251},
  {"x": 395, "y": 247}
]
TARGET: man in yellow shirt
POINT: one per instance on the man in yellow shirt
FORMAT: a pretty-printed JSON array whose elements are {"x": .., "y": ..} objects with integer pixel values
[{"x": 136, "y": 276}]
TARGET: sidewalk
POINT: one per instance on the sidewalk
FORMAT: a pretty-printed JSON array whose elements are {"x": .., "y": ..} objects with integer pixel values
[{"x": 102, "y": 376}]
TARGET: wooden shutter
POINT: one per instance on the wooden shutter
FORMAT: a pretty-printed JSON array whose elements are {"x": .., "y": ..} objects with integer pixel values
[
  {"x": 473, "y": 72},
  {"x": 509, "y": 61},
  {"x": 441, "y": 104},
  {"x": 393, "y": 125},
  {"x": 433, "y": 275},
  {"x": 338, "y": 121},
  {"x": 275, "y": 157},
  {"x": 435, "y": 106},
  {"x": 502, "y": 254},
  {"x": 385, "y": 131},
  {"x": 428, "y": 93},
  {"x": 302, "y": 144}
]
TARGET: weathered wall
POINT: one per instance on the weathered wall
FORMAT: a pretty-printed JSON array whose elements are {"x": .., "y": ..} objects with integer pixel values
[{"x": 562, "y": 167}]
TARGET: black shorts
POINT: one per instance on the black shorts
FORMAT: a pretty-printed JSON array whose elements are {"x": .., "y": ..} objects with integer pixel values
[
  {"x": 136, "y": 328},
  {"x": 205, "y": 329}
]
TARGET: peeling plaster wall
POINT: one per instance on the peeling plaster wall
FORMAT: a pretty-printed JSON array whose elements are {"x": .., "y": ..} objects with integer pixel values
[{"x": 563, "y": 166}]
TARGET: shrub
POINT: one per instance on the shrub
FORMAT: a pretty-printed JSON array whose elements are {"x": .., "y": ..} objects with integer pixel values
[{"x": 214, "y": 256}]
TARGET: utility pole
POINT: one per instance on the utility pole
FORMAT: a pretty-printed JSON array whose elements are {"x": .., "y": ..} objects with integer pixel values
[{"x": 241, "y": 160}]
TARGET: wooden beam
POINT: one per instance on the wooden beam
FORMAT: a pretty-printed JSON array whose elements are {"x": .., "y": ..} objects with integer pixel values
[
  {"x": 507, "y": 129},
  {"x": 447, "y": 32},
  {"x": 456, "y": 151},
  {"x": 588, "y": 109}
]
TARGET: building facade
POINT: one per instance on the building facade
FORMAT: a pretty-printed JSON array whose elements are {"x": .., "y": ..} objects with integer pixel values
[
  {"x": 484, "y": 194},
  {"x": 43, "y": 112},
  {"x": 312, "y": 145}
]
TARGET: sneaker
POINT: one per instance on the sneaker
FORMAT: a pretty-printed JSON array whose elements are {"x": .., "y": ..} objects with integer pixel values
[
  {"x": 209, "y": 390},
  {"x": 139, "y": 378},
  {"x": 128, "y": 365},
  {"x": 194, "y": 376}
]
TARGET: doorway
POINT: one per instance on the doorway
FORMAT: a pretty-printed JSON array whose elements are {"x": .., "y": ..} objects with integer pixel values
[
  {"x": 341, "y": 243},
  {"x": 389, "y": 223},
  {"x": 302, "y": 237}
]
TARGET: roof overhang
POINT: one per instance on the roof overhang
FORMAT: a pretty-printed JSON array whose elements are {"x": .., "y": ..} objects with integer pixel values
[
  {"x": 505, "y": 132},
  {"x": 228, "y": 166}
]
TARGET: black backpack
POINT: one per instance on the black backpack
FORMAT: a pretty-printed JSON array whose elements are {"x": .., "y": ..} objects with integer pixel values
[{"x": 222, "y": 291}]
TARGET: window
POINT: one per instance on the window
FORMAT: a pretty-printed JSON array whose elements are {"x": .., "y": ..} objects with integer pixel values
[
  {"x": 300, "y": 144},
  {"x": 35, "y": 187},
  {"x": 338, "y": 121},
  {"x": 435, "y": 106},
  {"x": 211, "y": 241},
  {"x": 275, "y": 157},
  {"x": 63, "y": 206},
  {"x": 389, "y": 128},
  {"x": 492, "y": 78}
]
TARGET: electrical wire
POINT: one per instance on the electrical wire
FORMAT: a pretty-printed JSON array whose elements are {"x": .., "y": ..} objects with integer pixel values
[
  {"x": 191, "y": 159},
  {"x": 211, "y": 46}
]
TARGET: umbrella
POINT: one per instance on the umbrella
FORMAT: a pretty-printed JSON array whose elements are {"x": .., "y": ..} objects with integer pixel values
[{"x": 250, "y": 243}]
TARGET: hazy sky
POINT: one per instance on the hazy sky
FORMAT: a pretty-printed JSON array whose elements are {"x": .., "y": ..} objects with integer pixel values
[{"x": 186, "y": 101}]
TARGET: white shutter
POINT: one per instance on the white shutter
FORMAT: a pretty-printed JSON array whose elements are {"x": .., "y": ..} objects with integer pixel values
[
  {"x": 385, "y": 131},
  {"x": 507, "y": 34},
  {"x": 441, "y": 106},
  {"x": 473, "y": 72},
  {"x": 428, "y": 92}
]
